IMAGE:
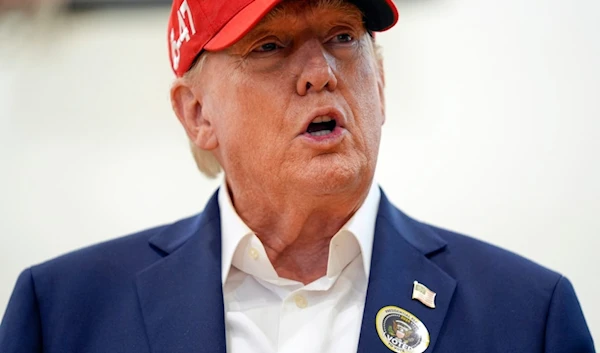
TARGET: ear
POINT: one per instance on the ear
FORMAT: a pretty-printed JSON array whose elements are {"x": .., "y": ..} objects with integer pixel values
[{"x": 187, "y": 105}]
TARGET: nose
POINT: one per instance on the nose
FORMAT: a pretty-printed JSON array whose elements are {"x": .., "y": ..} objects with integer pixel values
[{"x": 316, "y": 71}]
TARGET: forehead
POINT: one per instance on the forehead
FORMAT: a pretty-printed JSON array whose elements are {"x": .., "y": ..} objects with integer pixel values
[
  {"x": 290, "y": 12},
  {"x": 293, "y": 15},
  {"x": 290, "y": 8}
]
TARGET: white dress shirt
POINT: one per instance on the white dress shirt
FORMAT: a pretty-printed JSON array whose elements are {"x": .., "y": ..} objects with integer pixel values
[{"x": 265, "y": 313}]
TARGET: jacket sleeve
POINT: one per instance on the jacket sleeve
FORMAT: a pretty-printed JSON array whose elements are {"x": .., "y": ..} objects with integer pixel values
[
  {"x": 566, "y": 329},
  {"x": 20, "y": 330}
]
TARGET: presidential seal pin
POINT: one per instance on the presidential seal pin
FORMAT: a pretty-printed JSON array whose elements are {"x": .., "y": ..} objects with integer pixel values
[{"x": 401, "y": 331}]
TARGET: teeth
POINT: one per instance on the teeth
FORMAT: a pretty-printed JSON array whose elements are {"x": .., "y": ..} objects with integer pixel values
[
  {"x": 321, "y": 133},
  {"x": 322, "y": 119}
]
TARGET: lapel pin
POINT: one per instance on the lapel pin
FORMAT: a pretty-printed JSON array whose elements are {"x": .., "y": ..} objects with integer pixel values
[
  {"x": 401, "y": 331},
  {"x": 424, "y": 295}
]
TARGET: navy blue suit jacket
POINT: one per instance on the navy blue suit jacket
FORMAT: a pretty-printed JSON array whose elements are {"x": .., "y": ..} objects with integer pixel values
[{"x": 160, "y": 291}]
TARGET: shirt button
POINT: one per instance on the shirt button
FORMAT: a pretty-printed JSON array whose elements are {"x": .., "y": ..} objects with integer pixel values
[
  {"x": 300, "y": 301},
  {"x": 253, "y": 253}
]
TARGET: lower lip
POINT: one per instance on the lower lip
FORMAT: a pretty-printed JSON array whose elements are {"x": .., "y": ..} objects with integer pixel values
[{"x": 325, "y": 141}]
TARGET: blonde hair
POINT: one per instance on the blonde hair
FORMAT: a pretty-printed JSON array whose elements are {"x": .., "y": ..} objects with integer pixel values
[{"x": 205, "y": 160}]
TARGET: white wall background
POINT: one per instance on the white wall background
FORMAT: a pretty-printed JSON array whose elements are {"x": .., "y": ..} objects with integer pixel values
[{"x": 493, "y": 130}]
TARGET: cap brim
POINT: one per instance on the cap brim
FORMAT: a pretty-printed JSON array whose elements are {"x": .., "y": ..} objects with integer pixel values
[
  {"x": 241, "y": 24},
  {"x": 380, "y": 15}
]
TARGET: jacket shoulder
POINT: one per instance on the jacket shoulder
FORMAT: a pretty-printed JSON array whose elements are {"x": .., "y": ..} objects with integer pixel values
[
  {"x": 462, "y": 256},
  {"x": 466, "y": 256},
  {"x": 121, "y": 256},
  {"x": 495, "y": 282}
]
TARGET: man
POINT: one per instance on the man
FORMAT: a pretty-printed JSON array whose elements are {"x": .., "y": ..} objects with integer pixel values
[{"x": 299, "y": 250}]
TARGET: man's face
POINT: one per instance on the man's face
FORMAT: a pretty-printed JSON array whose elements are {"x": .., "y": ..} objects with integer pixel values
[{"x": 297, "y": 102}]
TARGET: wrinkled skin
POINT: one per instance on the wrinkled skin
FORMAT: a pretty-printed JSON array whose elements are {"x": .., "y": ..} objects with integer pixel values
[{"x": 250, "y": 104}]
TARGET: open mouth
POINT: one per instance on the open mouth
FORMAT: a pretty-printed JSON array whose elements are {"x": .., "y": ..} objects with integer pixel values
[{"x": 321, "y": 126}]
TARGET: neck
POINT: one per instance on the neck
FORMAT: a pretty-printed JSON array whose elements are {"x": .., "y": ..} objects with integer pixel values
[{"x": 296, "y": 228}]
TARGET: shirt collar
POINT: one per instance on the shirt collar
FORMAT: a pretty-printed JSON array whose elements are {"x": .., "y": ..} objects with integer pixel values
[
  {"x": 233, "y": 230},
  {"x": 362, "y": 225},
  {"x": 342, "y": 248}
]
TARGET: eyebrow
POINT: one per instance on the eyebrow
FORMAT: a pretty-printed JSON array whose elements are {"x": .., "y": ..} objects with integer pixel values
[{"x": 287, "y": 11}]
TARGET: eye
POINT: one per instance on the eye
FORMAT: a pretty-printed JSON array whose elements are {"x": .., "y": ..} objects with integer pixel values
[
  {"x": 267, "y": 47},
  {"x": 343, "y": 38}
]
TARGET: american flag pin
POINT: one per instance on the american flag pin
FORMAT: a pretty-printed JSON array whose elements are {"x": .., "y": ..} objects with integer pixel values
[{"x": 423, "y": 294}]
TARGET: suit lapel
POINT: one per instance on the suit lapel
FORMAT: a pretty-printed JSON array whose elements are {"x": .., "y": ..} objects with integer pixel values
[
  {"x": 401, "y": 252},
  {"x": 181, "y": 295}
]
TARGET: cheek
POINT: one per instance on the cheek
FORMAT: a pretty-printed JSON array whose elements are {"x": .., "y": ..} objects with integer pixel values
[
  {"x": 249, "y": 123},
  {"x": 366, "y": 103}
]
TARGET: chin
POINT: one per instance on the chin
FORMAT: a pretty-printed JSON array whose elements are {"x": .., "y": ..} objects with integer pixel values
[{"x": 334, "y": 178}]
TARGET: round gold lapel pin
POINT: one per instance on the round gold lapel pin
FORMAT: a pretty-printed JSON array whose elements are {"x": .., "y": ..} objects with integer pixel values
[{"x": 401, "y": 331}]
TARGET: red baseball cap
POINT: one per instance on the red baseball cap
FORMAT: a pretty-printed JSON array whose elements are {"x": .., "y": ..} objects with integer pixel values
[{"x": 197, "y": 25}]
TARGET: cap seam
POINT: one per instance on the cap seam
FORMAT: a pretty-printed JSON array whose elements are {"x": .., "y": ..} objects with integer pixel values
[{"x": 204, "y": 16}]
